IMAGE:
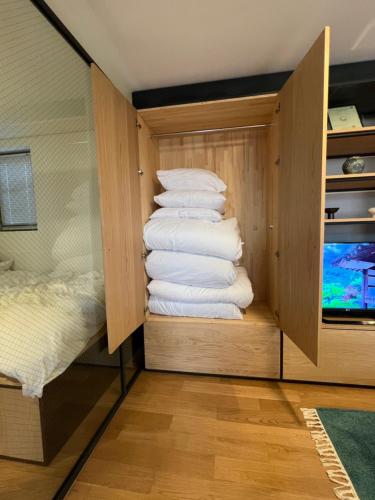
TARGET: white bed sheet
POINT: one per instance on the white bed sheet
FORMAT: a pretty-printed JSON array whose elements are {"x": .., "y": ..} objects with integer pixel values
[{"x": 45, "y": 322}]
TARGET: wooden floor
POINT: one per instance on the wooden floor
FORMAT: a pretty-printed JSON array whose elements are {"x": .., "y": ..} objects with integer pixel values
[
  {"x": 205, "y": 438},
  {"x": 26, "y": 481}
]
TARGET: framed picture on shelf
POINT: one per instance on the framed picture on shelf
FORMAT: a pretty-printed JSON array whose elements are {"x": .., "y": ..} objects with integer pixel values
[
  {"x": 368, "y": 119},
  {"x": 344, "y": 117}
]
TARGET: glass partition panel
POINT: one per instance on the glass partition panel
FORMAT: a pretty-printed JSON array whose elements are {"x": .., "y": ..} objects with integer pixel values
[{"x": 57, "y": 382}]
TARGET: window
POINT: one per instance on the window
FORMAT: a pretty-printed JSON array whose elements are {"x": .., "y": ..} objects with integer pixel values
[{"x": 17, "y": 199}]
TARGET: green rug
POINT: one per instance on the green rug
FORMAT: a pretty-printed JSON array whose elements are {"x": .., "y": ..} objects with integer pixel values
[{"x": 345, "y": 440}]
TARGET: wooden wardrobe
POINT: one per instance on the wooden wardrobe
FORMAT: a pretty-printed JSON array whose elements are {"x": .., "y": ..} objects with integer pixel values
[{"x": 271, "y": 152}]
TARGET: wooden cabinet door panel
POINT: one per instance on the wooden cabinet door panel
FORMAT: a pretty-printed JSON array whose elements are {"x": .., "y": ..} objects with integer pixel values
[
  {"x": 345, "y": 358},
  {"x": 303, "y": 137},
  {"x": 117, "y": 152}
]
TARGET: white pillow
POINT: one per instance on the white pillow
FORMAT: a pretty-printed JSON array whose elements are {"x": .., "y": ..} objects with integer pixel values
[
  {"x": 187, "y": 213},
  {"x": 191, "y": 199},
  {"x": 240, "y": 293},
  {"x": 80, "y": 264},
  {"x": 190, "y": 269},
  {"x": 183, "y": 179},
  {"x": 217, "y": 310},
  {"x": 5, "y": 265},
  {"x": 216, "y": 239}
]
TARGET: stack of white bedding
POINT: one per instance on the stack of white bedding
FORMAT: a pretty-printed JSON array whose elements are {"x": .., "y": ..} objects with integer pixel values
[{"x": 194, "y": 250}]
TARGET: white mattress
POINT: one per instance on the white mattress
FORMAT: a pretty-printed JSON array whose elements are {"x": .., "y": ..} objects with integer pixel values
[{"x": 45, "y": 322}]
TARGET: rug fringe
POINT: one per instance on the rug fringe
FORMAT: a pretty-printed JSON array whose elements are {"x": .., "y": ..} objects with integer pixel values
[{"x": 328, "y": 456}]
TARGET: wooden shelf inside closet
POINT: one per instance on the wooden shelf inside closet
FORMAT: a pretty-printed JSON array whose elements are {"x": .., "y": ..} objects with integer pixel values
[
  {"x": 201, "y": 116},
  {"x": 258, "y": 313},
  {"x": 349, "y": 142}
]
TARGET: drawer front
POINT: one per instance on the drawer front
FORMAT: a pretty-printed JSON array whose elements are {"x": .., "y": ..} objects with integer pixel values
[
  {"x": 20, "y": 428},
  {"x": 345, "y": 356},
  {"x": 238, "y": 350}
]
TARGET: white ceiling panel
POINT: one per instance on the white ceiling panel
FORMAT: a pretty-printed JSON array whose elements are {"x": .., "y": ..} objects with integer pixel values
[{"x": 144, "y": 44}]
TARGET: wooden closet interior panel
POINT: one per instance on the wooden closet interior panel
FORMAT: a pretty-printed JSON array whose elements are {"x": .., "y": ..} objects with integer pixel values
[
  {"x": 149, "y": 184},
  {"x": 242, "y": 111},
  {"x": 303, "y": 143},
  {"x": 273, "y": 166},
  {"x": 239, "y": 157},
  {"x": 148, "y": 164},
  {"x": 118, "y": 165}
]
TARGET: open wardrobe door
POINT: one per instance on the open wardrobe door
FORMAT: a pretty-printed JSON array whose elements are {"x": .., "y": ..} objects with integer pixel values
[
  {"x": 117, "y": 151},
  {"x": 303, "y": 142}
]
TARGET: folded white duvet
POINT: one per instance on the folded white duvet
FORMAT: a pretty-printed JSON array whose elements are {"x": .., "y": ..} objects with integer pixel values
[
  {"x": 213, "y": 310},
  {"x": 240, "y": 293},
  {"x": 186, "y": 213},
  {"x": 217, "y": 239},
  {"x": 190, "y": 269},
  {"x": 191, "y": 199}
]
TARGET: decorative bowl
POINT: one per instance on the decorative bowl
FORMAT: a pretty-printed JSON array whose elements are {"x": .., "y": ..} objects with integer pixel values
[
  {"x": 331, "y": 212},
  {"x": 371, "y": 211},
  {"x": 353, "y": 165}
]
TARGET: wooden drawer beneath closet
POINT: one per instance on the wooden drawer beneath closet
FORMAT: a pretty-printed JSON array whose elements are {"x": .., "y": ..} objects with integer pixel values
[
  {"x": 346, "y": 356},
  {"x": 20, "y": 424},
  {"x": 249, "y": 348}
]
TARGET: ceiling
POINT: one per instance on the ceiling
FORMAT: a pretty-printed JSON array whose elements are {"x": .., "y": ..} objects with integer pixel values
[{"x": 143, "y": 44}]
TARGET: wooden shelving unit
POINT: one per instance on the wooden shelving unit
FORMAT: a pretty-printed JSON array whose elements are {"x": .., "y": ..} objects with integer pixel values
[
  {"x": 364, "y": 175},
  {"x": 349, "y": 131},
  {"x": 352, "y": 220},
  {"x": 354, "y": 141},
  {"x": 350, "y": 182}
]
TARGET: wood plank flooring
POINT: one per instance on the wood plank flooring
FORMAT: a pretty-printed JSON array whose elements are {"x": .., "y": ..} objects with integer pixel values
[{"x": 186, "y": 437}]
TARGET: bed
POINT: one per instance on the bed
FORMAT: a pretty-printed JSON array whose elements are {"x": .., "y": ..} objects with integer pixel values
[
  {"x": 46, "y": 320},
  {"x": 47, "y": 323}
]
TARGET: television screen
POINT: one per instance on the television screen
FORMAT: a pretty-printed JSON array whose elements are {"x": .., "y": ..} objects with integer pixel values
[{"x": 349, "y": 276}]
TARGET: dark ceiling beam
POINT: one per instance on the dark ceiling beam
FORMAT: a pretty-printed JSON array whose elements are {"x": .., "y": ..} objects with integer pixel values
[
  {"x": 342, "y": 74},
  {"x": 51, "y": 17}
]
